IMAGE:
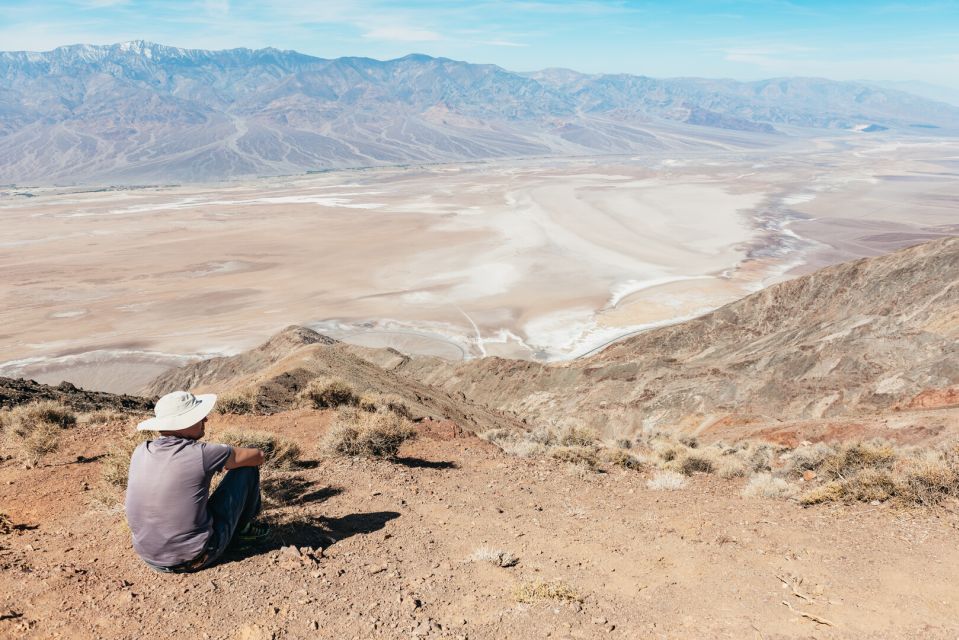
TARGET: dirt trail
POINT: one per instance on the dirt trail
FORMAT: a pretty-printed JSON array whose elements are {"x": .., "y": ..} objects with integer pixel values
[{"x": 701, "y": 562}]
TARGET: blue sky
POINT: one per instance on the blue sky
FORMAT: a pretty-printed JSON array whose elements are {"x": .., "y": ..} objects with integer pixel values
[{"x": 744, "y": 39}]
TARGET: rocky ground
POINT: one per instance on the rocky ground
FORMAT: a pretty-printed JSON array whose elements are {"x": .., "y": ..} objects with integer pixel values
[{"x": 383, "y": 549}]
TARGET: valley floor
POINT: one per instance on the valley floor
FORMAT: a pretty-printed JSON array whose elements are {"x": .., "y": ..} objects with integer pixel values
[{"x": 701, "y": 562}]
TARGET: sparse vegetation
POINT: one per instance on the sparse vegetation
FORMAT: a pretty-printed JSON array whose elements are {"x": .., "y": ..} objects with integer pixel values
[
  {"x": 329, "y": 393},
  {"x": 376, "y": 402},
  {"x": 765, "y": 485},
  {"x": 579, "y": 455},
  {"x": 691, "y": 463},
  {"x": 236, "y": 403},
  {"x": 531, "y": 592},
  {"x": 34, "y": 429},
  {"x": 666, "y": 481},
  {"x": 496, "y": 557},
  {"x": 6, "y": 524},
  {"x": 624, "y": 459},
  {"x": 360, "y": 433},
  {"x": 115, "y": 467},
  {"x": 102, "y": 416},
  {"x": 280, "y": 453}
]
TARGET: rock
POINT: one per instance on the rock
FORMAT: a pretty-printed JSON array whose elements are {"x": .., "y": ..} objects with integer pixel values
[
  {"x": 253, "y": 632},
  {"x": 808, "y": 475},
  {"x": 291, "y": 558}
]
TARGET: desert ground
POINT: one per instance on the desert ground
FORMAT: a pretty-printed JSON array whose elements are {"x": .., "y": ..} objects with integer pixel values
[
  {"x": 542, "y": 259},
  {"x": 407, "y": 549}
]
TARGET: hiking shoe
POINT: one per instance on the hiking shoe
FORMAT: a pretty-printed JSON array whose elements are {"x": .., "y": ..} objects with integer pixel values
[{"x": 253, "y": 532}]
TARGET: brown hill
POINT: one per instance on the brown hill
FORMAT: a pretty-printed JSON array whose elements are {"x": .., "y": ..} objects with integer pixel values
[
  {"x": 859, "y": 337},
  {"x": 278, "y": 370}
]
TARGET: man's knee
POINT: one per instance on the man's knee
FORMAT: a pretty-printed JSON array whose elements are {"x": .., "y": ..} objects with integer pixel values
[{"x": 243, "y": 473}]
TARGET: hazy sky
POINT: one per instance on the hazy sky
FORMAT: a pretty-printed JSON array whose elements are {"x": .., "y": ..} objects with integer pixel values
[{"x": 744, "y": 39}]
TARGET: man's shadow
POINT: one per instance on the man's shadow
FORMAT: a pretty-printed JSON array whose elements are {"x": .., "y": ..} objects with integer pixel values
[{"x": 315, "y": 531}]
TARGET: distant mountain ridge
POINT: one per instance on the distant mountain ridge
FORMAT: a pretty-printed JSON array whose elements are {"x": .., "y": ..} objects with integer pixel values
[{"x": 139, "y": 111}]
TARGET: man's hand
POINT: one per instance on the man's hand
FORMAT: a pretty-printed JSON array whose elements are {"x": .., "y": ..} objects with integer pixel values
[{"x": 244, "y": 457}]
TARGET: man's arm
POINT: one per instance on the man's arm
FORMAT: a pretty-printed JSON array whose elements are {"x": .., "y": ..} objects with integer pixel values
[{"x": 244, "y": 457}]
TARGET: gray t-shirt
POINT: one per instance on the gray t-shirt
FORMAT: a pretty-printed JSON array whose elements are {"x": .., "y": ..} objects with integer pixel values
[{"x": 167, "y": 493}]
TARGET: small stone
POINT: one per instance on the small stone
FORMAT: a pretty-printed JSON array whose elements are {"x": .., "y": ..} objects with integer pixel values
[{"x": 808, "y": 475}]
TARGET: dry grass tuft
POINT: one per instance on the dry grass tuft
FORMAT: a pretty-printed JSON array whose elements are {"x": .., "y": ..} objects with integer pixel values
[
  {"x": 829, "y": 492},
  {"x": 575, "y": 436},
  {"x": 730, "y": 467},
  {"x": 496, "y": 557},
  {"x": 691, "y": 463},
  {"x": 115, "y": 468},
  {"x": 624, "y": 459},
  {"x": 102, "y": 416},
  {"x": 927, "y": 481},
  {"x": 531, "y": 592},
  {"x": 764, "y": 485},
  {"x": 236, "y": 403},
  {"x": 376, "y": 402},
  {"x": 6, "y": 524},
  {"x": 279, "y": 452},
  {"x": 579, "y": 455},
  {"x": 666, "y": 481},
  {"x": 329, "y": 393},
  {"x": 34, "y": 429},
  {"x": 372, "y": 435},
  {"x": 851, "y": 458}
]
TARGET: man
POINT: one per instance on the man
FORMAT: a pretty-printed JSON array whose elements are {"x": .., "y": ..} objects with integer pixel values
[{"x": 177, "y": 525}]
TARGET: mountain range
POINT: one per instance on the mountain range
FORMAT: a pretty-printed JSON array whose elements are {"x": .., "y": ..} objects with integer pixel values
[{"x": 138, "y": 112}]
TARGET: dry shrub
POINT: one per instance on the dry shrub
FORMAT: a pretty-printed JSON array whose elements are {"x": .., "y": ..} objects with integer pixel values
[
  {"x": 851, "y": 458},
  {"x": 531, "y": 592},
  {"x": 927, "y": 481},
  {"x": 759, "y": 457},
  {"x": 278, "y": 452},
  {"x": 102, "y": 416},
  {"x": 373, "y": 435},
  {"x": 34, "y": 429},
  {"x": 115, "y": 468},
  {"x": 689, "y": 441},
  {"x": 236, "y": 403},
  {"x": 808, "y": 458},
  {"x": 6, "y": 524},
  {"x": 691, "y": 463},
  {"x": 624, "y": 459},
  {"x": 829, "y": 492},
  {"x": 870, "y": 485},
  {"x": 496, "y": 557},
  {"x": 730, "y": 467},
  {"x": 328, "y": 393},
  {"x": 669, "y": 451},
  {"x": 666, "y": 481},
  {"x": 376, "y": 402},
  {"x": 579, "y": 455},
  {"x": 575, "y": 436},
  {"x": 764, "y": 485}
]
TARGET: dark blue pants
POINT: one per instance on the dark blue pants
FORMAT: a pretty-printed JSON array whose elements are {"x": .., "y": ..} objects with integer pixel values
[{"x": 233, "y": 505}]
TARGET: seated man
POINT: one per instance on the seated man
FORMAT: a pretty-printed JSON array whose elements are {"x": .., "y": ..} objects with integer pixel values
[{"x": 177, "y": 526}]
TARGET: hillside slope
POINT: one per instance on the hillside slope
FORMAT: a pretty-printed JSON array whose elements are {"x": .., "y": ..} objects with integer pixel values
[
  {"x": 861, "y": 336},
  {"x": 278, "y": 370}
]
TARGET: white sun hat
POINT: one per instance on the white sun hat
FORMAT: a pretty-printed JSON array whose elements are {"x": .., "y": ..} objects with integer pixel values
[{"x": 178, "y": 410}]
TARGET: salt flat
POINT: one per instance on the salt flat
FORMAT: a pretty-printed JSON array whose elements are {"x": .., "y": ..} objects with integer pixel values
[{"x": 544, "y": 259}]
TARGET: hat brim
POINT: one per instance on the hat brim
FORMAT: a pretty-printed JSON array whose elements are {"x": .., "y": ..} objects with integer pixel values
[{"x": 184, "y": 420}]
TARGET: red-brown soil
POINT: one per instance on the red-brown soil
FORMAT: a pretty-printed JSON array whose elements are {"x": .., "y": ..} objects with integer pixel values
[{"x": 701, "y": 562}]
